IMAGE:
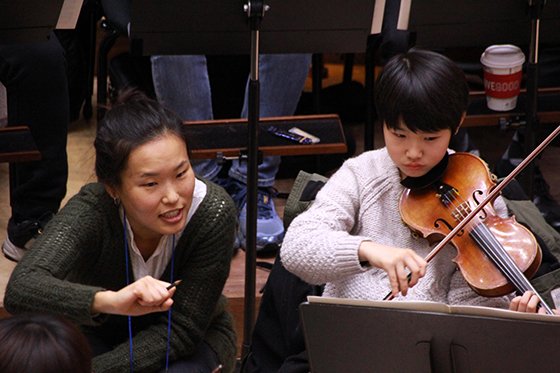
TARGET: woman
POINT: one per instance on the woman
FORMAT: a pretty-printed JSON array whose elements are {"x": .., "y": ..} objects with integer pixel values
[{"x": 108, "y": 257}]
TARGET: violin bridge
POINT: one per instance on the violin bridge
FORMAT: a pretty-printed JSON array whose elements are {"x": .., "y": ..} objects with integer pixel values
[{"x": 461, "y": 211}]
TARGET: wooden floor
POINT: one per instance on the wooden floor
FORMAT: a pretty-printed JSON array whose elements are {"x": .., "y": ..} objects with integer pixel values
[{"x": 491, "y": 140}]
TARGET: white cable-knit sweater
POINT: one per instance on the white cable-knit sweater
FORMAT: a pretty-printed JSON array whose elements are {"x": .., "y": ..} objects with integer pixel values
[{"x": 360, "y": 202}]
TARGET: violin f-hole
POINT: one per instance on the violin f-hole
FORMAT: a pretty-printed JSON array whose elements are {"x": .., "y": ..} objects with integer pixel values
[
  {"x": 483, "y": 214},
  {"x": 439, "y": 222}
]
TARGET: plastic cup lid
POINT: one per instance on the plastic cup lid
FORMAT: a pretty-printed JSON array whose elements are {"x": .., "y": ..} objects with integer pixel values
[{"x": 502, "y": 56}]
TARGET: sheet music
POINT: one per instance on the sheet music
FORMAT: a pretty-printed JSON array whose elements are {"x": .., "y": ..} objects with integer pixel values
[
  {"x": 428, "y": 306},
  {"x": 69, "y": 14}
]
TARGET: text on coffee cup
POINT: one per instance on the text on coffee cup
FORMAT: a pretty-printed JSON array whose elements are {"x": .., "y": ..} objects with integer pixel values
[{"x": 502, "y": 86}]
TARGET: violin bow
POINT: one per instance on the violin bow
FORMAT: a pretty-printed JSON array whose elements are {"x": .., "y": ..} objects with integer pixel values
[{"x": 493, "y": 194}]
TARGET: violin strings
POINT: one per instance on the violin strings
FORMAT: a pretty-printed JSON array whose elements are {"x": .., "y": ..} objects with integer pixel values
[
  {"x": 526, "y": 284},
  {"x": 490, "y": 245},
  {"x": 482, "y": 234},
  {"x": 499, "y": 256}
]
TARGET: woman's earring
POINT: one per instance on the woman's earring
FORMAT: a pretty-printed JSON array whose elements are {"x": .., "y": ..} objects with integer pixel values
[{"x": 116, "y": 201}]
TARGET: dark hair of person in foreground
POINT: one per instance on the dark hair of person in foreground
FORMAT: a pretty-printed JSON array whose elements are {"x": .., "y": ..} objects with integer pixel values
[{"x": 42, "y": 343}]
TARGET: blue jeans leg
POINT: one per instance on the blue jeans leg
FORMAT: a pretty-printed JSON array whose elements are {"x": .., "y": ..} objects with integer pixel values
[
  {"x": 181, "y": 83},
  {"x": 281, "y": 80}
]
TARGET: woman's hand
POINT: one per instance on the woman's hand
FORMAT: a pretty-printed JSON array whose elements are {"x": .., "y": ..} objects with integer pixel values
[
  {"x": 528, "y": 302},
  {"x": 398, "y": 263},
  {"x": 143, "y": 296}
]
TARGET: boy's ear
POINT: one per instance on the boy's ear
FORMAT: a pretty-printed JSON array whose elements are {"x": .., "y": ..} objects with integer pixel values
[{"x": 461, "y": 121}]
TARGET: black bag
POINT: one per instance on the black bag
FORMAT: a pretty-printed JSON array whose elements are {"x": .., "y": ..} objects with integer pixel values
[{"x": 278, "y": 343}]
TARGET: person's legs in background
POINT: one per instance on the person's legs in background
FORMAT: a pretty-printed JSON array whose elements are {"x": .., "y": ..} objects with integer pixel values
[
  {"x": 37, "y": 89},
  {"x": 182, "y": 84},
  {"x": 281, "y": 79}
]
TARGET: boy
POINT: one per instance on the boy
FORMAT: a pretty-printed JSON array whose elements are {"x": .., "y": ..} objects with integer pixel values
[{"x": 352, "y": 238}]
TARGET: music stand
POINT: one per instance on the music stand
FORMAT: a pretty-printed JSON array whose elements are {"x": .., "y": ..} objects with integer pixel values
[
  {"x": 25, "y": 21},
  {"x": 362, "y": 338},
  {"x": 230, "y": 27}
]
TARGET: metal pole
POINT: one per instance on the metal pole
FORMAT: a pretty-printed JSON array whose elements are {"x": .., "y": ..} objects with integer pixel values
[
  {"x": 535, "y": 10},
  {"x": 255, "y": 11}
]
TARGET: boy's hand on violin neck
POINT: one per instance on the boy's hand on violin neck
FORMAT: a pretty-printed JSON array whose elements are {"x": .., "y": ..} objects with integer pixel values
[
  {"x": 403, "y": 266},
  {"x": 529, "y": 303}
]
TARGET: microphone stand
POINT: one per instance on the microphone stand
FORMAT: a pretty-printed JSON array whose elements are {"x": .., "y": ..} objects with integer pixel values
[{"x": 255, "y": 10}]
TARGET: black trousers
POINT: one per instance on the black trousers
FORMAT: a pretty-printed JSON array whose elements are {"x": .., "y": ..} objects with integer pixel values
[
  {"x": 278, "y": 343},
  {"x": 36, "y": 84}
]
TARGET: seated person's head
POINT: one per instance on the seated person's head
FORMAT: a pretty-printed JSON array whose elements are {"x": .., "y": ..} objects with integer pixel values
[
  {"x": 421, "y": 99},
  {"x": 142, "y": 159},
  {"x": 423, "y": 90},
  {"x": 42, "y": 343}
]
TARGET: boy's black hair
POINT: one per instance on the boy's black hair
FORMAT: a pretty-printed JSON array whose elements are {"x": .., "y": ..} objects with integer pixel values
[{"x": 424, "y": 90}]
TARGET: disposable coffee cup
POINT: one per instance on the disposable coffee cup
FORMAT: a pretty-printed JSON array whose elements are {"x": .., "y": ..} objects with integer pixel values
[{"x": 503, "y": 66}]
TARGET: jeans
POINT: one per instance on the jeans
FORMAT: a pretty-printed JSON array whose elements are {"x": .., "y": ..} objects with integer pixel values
[
  {"x": 37, "y": 88},
  {"x": 181, "y": 83}
]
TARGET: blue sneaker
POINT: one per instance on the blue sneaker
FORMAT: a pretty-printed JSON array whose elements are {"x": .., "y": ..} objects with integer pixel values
[{"x": 270, "y": 229}]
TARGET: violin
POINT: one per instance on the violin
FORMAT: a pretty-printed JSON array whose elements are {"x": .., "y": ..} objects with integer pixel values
[{"x": 495, "y": 255}]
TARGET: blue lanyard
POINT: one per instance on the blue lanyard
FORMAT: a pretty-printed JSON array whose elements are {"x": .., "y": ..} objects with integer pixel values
[
  {"x": 130, "y": 349},
  {"x": 171, "y": 279}
]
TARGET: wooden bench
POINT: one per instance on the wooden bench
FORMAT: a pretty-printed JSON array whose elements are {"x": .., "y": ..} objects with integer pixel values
[
  {"x": 228, "y": 137},
  {"x": 17, "y": 145}
]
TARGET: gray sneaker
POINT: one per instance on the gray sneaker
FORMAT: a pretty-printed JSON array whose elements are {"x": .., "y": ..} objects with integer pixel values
[
  {"x": 13, "y": 252},
  {"x": 22, "y": 235}
]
